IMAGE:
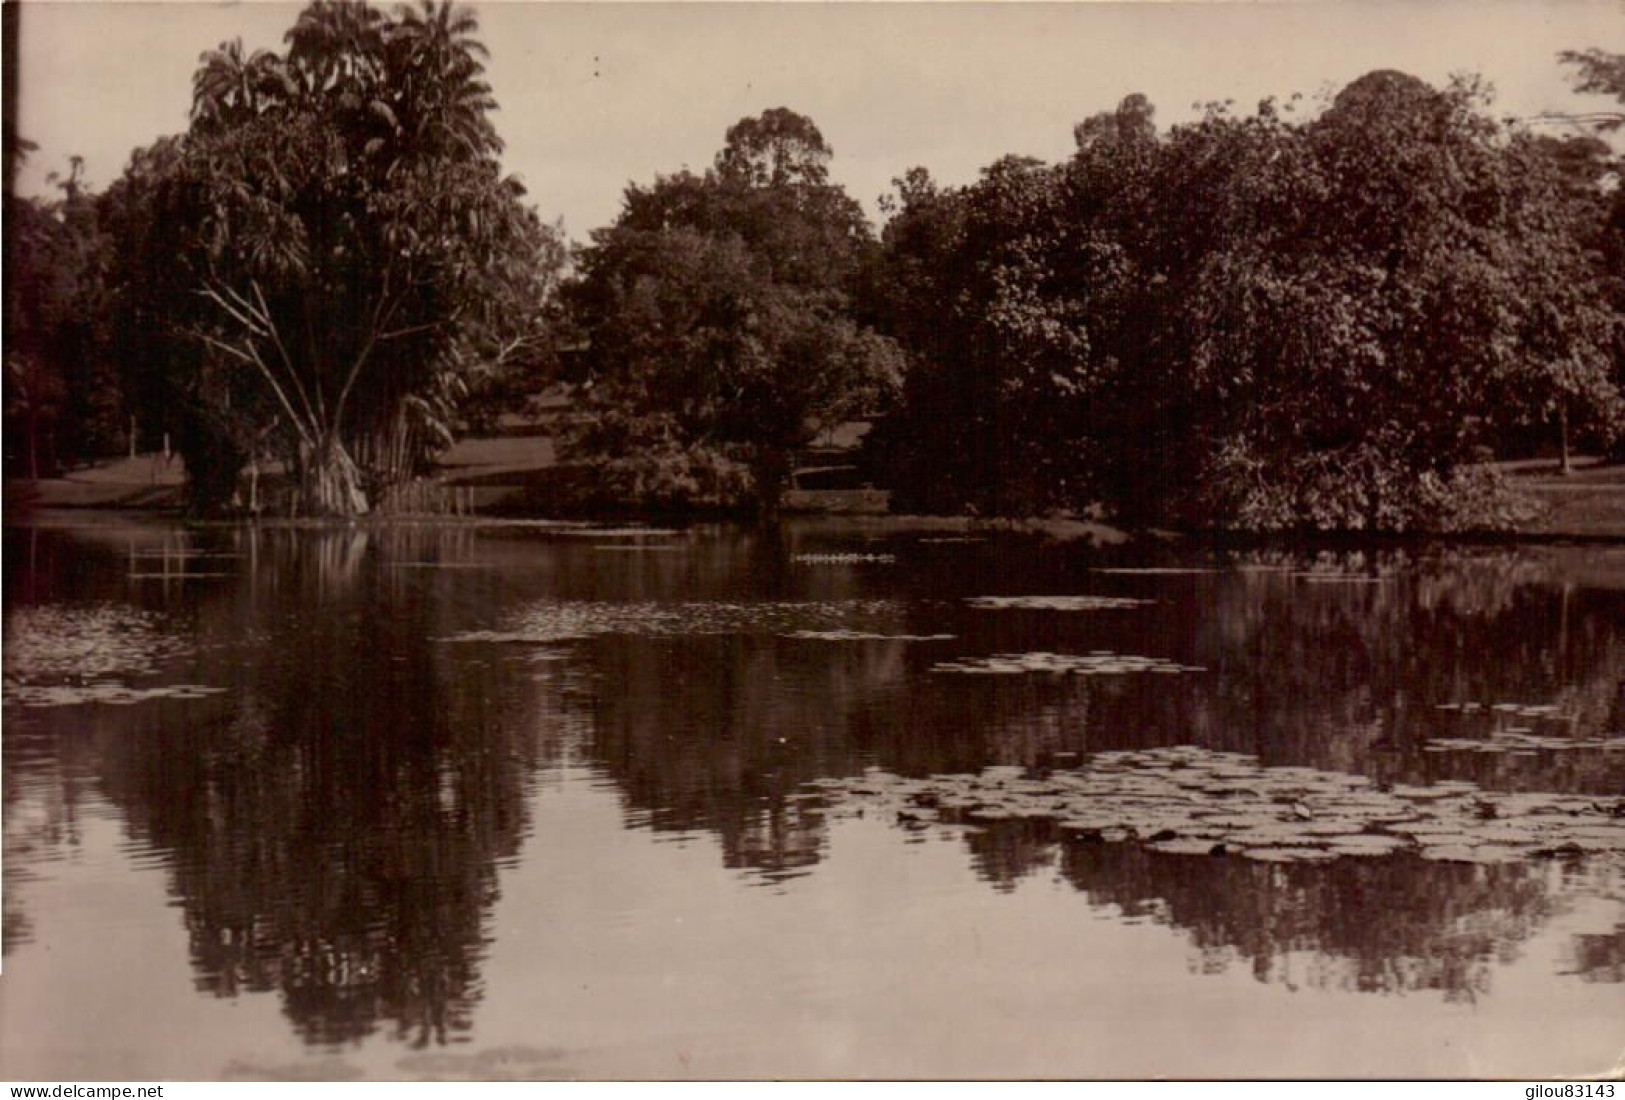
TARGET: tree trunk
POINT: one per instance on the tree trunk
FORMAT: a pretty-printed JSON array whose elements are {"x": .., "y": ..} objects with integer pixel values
[
  {"x": 330, "y": 482},
  {"x": 1563, "y": 467},
  {"x": 388, "y": 455},
  {"x": 771, "y": 472}
]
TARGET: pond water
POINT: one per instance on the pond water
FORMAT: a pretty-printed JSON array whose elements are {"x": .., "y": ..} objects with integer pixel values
[{"x": 837, "y": 800}]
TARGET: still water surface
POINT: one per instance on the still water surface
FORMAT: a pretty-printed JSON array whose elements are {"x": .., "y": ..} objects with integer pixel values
[{"x": 514, "y": 801}]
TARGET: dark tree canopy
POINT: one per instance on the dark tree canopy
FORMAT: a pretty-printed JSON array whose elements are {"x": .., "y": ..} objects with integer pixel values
[
  {"x": 331, "y": 255},
  {"x": 1265, "y": 320},
  {"x": 1247, "y": 321},
  {"x": 777, "y": 148},
  {"x": 719, "y": 313},
  {"x": 63, "y": 401}
]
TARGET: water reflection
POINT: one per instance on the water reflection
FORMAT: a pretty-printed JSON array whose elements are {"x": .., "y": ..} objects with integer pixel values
[
  {"x": 1599, "y": 957},
  {"x": 721, "y": 734},
  {"x": 335, "y": 822},
  {"x": 1394, "y": 925},
  {"x": 1370, "y": 925}
]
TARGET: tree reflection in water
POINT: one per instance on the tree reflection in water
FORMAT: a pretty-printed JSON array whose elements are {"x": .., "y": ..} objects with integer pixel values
[
  {"x": 1599, "y": 957},
  {"x": 722, "y": 733},
  {"x": 334, "y": 827},
  {"x": 333, "y": 824},
  {"x": 1342, "y": 670},
  {"x": 1383, "y": 925}
]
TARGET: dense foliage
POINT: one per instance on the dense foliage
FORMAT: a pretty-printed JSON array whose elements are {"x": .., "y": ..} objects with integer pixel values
[
  {"x": 1248, "y": 321},
  {"x": 63, "y": 399},
  {"x": 719, "y": 317},
  {"x": 322, "y": 268},
  {"x": 1597, "y": 176},
  {"x": 1291, "y": 319}
]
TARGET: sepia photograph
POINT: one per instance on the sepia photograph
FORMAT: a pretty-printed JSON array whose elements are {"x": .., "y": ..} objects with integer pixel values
[{"x": 833, "y": 542}]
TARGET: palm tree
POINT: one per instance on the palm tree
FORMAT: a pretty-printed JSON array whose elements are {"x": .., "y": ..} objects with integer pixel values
[
  {"x": 229, "y": 89},
  {"x": 346, "y": 225},
  {"x": 436, "y": 69},
  {"x": 336, "y": 47}
]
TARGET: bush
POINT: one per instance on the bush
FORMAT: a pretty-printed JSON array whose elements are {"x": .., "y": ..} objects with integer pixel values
[{"x": 641, "y": 464}]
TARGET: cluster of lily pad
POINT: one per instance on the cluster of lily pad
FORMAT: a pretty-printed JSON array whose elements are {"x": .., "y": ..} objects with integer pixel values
[
  {"x": 1549, "y": 729},
  {"x": 1156, "y": 571},
  {"x": 1192, "y": 801},
  {"x": 1311, "y": 576},
  {"x": 1522, "y": 742},
  {"x": 863, "y": 636},
  {"x": 551, "y": 621},
  {"x": 1056, "y": 603},
  {"x": 67, "y": 642},
  {"x": 99, "y": 691},
  {"x": 1100, "y": 662},
  {"x": 1537, "y": 711},
  {"x": 843, "y": 559}
]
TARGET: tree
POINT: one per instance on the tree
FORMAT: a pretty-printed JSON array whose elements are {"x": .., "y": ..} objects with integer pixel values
[
  {"x": 719, "y": 314},
  {"x": 777, "y": 148},
  {"x": 1393, "y": 278},
  {"x": 334, "y": 253},
  {"x": 1599, "y": 73},
  {"x": 1603, "y": 73},
  {"x": 1010, "y": 296},
  {"x": 1002, "y": 354},
  {"x": 64, "y": 402},
  {"x": 1250, "y": 321}
]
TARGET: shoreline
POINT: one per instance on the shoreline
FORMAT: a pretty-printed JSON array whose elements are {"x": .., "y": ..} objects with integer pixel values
[{"x": 1587, "y": 506}]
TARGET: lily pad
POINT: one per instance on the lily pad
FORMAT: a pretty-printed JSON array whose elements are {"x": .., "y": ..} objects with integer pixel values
[
  {"x": 1056, "y": 603},
  {"x": 1287, "y": 855},
  {"x": 1449, "y": 853},
  {"x": 1282, "y": 836},
  {"x": 1506, "y": 834},
  {"x": 1183, "y": 846},
  {"x": 863, "y": 636},
  {"x": 1367, "y": 843},
  {"x": 1495, "y": 853},
  {"x": 842, "y": 559},
  {"x": 1170, "y": 800},
  {"x": 1056, "y": 664},
  {"x": 1336, "y": 828}
]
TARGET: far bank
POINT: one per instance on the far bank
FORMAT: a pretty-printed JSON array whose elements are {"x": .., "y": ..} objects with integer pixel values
[{"x": 518, "y": 474}]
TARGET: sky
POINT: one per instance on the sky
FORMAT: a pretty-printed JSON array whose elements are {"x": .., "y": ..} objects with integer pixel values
[{"x": 596, "y": 95}]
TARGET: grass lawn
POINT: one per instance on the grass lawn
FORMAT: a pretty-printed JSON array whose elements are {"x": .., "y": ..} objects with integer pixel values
[
  {"x": 1589, "y": 502},
  {"x": 510, "y": 473}
]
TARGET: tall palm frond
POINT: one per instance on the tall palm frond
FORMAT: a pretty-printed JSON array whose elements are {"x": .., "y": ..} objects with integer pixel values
[
  {"x": 436, "y": 68},
  {"x": 230, "y": 88},
  {"x": 337, "y": 46}
]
